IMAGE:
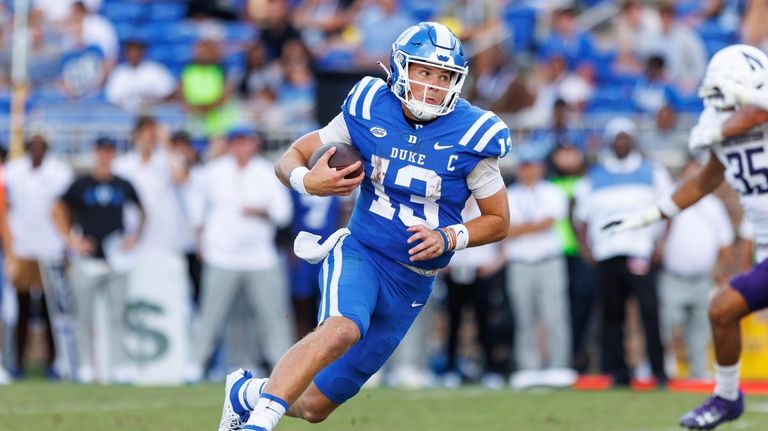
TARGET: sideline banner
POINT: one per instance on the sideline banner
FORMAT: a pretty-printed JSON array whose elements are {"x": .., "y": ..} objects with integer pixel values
[
  {"x": 157, "y": 319},
  {"x": 754, "y": 346}
]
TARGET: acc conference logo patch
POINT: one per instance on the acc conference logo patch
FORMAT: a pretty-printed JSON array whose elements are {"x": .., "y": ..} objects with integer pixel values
[{"x": 378, "y": 132}]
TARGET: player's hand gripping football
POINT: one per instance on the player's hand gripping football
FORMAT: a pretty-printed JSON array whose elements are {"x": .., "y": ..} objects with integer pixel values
[
  {"x": 323, "y": 180},
  {"x": 430, "y": 247}
]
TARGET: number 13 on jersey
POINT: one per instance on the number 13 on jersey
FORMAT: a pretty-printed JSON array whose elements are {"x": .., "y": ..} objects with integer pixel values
[{"x": 383, "y": 206}]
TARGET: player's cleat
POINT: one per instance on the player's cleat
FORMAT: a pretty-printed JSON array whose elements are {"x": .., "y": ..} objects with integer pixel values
[
  {"x": 234, "y": 414},
  {"x": 713, "y": 412}
]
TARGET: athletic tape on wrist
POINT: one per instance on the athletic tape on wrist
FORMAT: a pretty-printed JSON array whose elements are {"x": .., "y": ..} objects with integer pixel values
[
  {"x": 297, "y": 179},
  {"x": 668, "y": 207},
  {"x": 461, "y": 234}
]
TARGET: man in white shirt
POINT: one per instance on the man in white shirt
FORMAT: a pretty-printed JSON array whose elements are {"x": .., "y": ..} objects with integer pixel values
[
  {"x": 156, "y": 176},
  {"x": 623, "y": 181},
  {"x": 138, "y": 83},
  {"x": 236, "y": 210},
  {"x": 537, "y": 278},
  {"x": 698, "y": 238},
  {"x": 33, "y": 183},
  {"x": 93, "y": 29}
]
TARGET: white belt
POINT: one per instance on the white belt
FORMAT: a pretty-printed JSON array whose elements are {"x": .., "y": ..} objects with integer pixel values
[{"x": 420, "y": 271}]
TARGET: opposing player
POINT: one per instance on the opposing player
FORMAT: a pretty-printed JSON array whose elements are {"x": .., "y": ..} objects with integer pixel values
[
  {"x": 736, "y": 137},
  {"x": 425, "y": 151}
]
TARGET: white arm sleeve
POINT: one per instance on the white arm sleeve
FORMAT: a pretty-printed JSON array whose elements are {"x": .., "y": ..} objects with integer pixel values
[
  {"x": 485, "y": 179},
  {"x": 335, "y": 131}
]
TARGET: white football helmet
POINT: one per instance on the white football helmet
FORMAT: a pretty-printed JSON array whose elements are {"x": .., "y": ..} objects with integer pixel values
[{"x": 741, "y": 67}]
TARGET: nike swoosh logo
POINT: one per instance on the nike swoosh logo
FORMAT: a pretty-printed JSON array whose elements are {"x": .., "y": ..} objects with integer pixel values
[
  {"x": 442, "y": 147},
  {"x": 416, "y": 304}
]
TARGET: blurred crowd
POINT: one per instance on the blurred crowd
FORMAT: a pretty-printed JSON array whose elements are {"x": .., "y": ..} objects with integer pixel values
[
  {"x": 551, "y": 301},
  {"x": 258, "y": 61}
]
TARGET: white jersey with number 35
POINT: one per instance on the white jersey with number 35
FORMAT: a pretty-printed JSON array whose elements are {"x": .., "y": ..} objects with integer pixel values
[{"x": 746, "y": 169}]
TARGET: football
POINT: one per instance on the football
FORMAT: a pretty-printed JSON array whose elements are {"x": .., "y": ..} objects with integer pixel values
[{"x": 344, "y": 156}]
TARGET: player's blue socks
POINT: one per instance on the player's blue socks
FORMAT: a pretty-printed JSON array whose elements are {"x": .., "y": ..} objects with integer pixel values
[{"x": 269, "y": 409}]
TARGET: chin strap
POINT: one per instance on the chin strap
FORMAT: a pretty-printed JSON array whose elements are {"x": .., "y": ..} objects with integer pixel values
[{"x": 386, "y": 70}]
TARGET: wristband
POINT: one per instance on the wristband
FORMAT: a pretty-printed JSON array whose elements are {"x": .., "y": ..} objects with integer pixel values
[
  {"x": 297, "y": 179},
  {"x": 460, "y": 236},
  {"x": 668, "y": 207},
  {"x": 445, "y": 239}
]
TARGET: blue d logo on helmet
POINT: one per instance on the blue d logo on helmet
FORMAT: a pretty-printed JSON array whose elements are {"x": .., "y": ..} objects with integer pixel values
[{"x": 434, "y": 45}]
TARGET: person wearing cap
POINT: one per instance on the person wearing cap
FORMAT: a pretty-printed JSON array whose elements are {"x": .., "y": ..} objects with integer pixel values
[
  {"x": 138, "y": 83},
  {"x": 621, "y": 182},
  {"x": 537, "y": 274},
  {"x": 235, "y": 210},
  {"x": 88, "y": 214},
  {"x": 33, "y": 182}
]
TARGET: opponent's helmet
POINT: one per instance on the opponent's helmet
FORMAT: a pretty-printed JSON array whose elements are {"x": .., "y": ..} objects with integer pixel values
[
  {"x": 742, "y": 65},
  {"x": 434, "y": 45}
]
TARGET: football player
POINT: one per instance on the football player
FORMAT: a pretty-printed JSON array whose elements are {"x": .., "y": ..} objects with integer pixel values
[
  {"x": 735, "y": 136},
  {"x": 425, "y": 151}
]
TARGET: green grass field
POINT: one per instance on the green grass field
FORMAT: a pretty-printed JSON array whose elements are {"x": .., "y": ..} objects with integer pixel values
[{"x": 64, "y": 407}]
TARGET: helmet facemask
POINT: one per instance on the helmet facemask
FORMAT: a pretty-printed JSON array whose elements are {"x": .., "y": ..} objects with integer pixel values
[{"x": 419, "y": 107}]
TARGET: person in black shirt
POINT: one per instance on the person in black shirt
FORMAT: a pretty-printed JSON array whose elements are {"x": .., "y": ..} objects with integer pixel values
[{"x": 90, "y": 216}]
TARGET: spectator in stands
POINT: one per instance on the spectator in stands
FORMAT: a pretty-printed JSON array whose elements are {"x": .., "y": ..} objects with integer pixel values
[
  {"x": 566, "y": 40},
  {"x": 236, "y": 212},
  {"x": 156, "y": 177},
  {"x": 33, "y": 183},
  {"x": 273, "y": 17},
  {"x": 653, "y": 90},
  {"x": 560, "y": 132},
  {"x": 537, "y": 275},
  {"x": 87, "y": 28},
  {"x": 553, "y": 82},
  {"x": 138, "y": 83},
  {"x": 493, "y": 73},
  {"x": 665, "y": 139},
  {"x": 44, "y": 56},
  {"x": 296, "y": 94},
  {"x": 315, "y": 19},
  {"x": 622, "y": 181},
  {"x": 694, "y": 255},
  {"x": 205, "y": 91},
  {"x": 567, "y": 166},
  {"x": 682, "y": 50},
  {"x": 379, "y": 22},
  {"x": 473, "y": 277},
  {"x": 635, "y": 25},
  {"x": 59, "y": 10},
  {"x": 729, "y": 14},
  {"x": 90, "y": 215},
  {"x": 338, "y": 52},
  {"x": 260, "y": 73}
]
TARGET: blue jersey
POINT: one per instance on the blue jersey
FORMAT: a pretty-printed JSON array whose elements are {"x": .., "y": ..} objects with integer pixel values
[{"x": 414, "y": 174}]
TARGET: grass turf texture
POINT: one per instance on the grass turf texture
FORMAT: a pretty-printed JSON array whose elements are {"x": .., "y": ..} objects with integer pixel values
[{"x": 65, "y": 407}]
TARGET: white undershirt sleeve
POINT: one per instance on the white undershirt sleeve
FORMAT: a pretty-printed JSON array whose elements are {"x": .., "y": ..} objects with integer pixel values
[
  {"x": 485, "y": 179},
  {"x": 336, "y": 131}
]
